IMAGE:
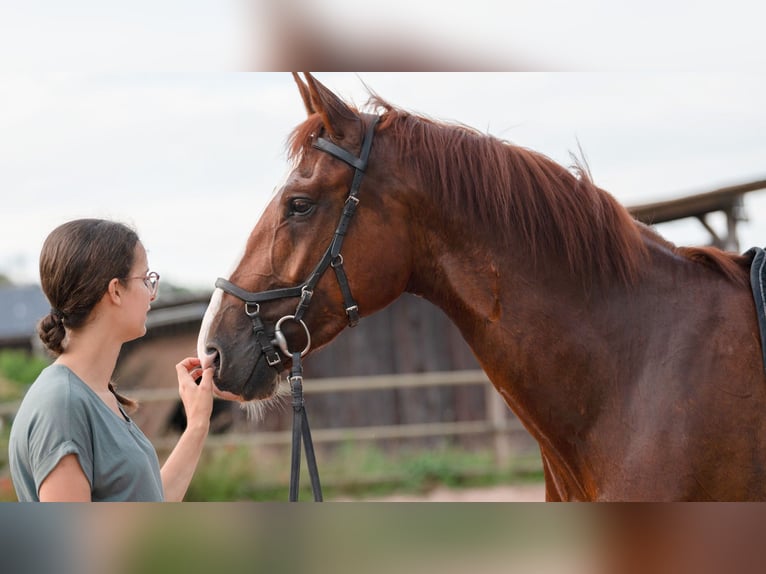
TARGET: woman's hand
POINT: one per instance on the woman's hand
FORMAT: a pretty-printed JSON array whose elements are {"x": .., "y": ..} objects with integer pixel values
[
  {"x": 198, "y": 404},
  {"x": 197, "y": 399}
]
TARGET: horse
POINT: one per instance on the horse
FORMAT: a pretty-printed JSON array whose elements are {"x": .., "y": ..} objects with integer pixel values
[{"x": 634, "y": 363}]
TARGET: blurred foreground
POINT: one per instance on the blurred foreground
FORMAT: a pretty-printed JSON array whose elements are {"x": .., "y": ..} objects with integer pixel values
[{"x": 378, "y": 538}]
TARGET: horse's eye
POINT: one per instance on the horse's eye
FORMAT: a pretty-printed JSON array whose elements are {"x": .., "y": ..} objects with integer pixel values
[{"x": 300, "y": 206}]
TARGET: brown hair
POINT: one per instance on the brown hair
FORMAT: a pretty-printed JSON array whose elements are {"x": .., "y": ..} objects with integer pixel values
[{"x": 77, "y": 262}]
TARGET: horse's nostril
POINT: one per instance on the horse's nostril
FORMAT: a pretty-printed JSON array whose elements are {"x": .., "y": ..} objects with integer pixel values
[{"x": 211, "y": 358}]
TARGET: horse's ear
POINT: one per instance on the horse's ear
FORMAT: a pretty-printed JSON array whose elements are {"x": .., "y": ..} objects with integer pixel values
[
  {"x": 336, "y": 115},
  {"x": 304, "y": 90}
]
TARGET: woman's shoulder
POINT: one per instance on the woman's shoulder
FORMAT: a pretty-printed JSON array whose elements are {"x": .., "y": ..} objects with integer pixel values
[{"x": 57, "y": 386}]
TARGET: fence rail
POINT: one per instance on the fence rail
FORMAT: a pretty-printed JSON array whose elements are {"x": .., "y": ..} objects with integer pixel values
[{"x": 499, "y": 422}]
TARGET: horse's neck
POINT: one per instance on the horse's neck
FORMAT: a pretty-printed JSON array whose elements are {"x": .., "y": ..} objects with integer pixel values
[
  {"x": 530, "y": 331},
  {"x": 537, "y": 328},
  {"x": 553, "y": 347},
  {"x": 564, "y": 355}
]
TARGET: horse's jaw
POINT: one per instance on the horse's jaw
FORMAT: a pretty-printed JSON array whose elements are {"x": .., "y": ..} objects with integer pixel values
[{"x": 234, "y": 385}]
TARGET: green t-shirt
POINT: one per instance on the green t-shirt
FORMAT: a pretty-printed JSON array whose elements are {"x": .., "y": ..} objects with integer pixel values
[{"x": 62, "y": 415}]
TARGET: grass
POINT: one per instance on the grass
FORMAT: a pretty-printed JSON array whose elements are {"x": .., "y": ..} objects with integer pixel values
[{"x": 353, "y": 470}]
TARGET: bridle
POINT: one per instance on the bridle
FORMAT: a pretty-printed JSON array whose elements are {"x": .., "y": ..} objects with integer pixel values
[{"x": 332, "y": 258}]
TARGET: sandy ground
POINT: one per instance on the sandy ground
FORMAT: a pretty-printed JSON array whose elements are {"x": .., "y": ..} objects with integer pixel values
[{"x": 517, "y": 493}]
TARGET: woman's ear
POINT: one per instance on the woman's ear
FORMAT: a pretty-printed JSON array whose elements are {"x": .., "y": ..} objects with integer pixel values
[{"x": 115, "y": 291}]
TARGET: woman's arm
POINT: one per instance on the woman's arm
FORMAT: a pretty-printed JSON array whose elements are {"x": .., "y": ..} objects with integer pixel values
[
  {"x": 66, "y": 482},
  {"x": 179, "y": 468}
]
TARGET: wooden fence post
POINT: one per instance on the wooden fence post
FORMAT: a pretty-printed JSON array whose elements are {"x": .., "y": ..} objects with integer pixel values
[{"x": 497, "y": 414}]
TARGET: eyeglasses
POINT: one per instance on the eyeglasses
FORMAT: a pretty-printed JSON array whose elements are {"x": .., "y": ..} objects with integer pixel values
[{"x": 151, "y": 280}]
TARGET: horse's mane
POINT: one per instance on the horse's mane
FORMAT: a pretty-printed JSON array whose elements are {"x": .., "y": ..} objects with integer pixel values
[{"x": 514, "y": 190}]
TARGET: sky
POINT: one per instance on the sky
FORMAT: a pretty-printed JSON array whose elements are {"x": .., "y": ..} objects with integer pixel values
[
  {"x": 191, "y": 159},
  {"x": 151, "y": 114}
]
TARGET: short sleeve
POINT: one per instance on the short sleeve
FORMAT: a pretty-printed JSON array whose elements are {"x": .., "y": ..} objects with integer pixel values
[
  {"x": 44, "y": 467},
  {"x": 59, "y": 427}
]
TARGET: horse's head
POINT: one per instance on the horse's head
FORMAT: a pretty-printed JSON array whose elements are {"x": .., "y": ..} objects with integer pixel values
[{"x": 331, "y": 245}]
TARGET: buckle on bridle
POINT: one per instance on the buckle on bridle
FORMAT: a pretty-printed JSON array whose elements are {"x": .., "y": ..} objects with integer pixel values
[
  {"x": 273, "y": 358},
  {"x": 252, "y": 313}
]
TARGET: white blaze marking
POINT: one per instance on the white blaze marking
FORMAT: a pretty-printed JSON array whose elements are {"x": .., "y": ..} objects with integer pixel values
[{"x": 212, "y": 311}]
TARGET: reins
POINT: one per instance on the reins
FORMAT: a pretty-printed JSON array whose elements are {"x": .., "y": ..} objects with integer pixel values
[
  {"x": 301, "y": 430},
  {"x": 332, "y": 258}
]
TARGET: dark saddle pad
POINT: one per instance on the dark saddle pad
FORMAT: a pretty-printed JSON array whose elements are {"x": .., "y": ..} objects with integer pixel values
[{"x": 758, "y": 285}]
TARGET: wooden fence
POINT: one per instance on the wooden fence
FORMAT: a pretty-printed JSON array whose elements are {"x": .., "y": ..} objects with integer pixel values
[{"x": 499, "y": 423}]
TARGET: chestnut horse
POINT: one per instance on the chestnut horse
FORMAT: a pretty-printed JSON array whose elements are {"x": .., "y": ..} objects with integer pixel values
[{"x": 634, "y": 363}]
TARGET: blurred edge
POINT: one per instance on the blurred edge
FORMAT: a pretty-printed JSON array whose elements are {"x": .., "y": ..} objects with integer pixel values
[{"x": 420, "y": 538}]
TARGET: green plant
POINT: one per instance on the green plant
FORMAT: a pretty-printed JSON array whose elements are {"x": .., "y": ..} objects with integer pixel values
[
  {"x": 20, "y": 366},
  {"x": 351, "y": 469}
]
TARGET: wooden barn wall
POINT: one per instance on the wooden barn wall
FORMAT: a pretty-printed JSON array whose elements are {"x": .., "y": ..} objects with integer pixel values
[{"x": 409, "y": 336}]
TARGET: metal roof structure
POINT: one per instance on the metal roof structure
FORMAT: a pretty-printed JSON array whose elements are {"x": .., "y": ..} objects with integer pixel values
[{"x": 20, "y": 309}]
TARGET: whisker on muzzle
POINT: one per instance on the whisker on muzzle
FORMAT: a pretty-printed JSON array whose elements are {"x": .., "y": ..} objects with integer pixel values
[{"x": 256, "y": 410}]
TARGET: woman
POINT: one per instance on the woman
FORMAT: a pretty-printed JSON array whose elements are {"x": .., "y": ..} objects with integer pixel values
[{"x": 72, "y": 438}]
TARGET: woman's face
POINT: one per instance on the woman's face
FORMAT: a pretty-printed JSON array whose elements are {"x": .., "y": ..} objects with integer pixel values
[{"x": 139, "y": 295}]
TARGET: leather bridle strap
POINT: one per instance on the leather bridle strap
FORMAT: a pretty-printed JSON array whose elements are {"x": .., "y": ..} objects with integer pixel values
[
  {"x": 332, "y": 256},
  {"x": 301, "y": 431}
]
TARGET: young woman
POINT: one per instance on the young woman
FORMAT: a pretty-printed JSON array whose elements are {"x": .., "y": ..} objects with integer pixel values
[{"x": 72, "y": 438}]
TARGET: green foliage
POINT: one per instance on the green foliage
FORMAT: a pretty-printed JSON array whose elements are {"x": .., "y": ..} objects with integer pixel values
[
  {"x": 20, "y": 367},
  {"x": 356, "y": 470},
  {"x": 225, "y": 475},
  {"x": 442, "y": 466}
]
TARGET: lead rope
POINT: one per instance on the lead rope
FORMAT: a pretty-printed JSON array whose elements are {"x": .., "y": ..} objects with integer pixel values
[{"x": 301, "y": 430}]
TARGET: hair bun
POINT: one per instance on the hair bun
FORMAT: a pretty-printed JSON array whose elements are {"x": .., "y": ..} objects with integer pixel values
[{"x": 51, "y": 331}]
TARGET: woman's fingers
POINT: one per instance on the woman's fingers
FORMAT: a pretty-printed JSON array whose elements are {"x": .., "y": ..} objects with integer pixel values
[
  {"x": 189, "y": 363},
  {"x": 207, "y": 379},
  {"x": 189, "y": 368}
]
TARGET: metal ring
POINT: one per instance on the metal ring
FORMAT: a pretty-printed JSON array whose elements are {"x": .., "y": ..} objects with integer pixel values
[
  {"x": 281, "y": 341},
  {"x": 247, "y": 309}
]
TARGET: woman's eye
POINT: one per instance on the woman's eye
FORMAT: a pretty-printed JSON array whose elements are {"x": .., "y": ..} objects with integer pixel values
[{"x": 300, "y": 206}]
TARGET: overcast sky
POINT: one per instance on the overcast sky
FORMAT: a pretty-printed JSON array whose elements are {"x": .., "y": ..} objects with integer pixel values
[
  {"x": 191, "y": 159},
  {"x": 135, "y": 111}
]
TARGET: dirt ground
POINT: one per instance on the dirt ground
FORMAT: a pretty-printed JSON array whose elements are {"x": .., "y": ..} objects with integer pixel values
[{"x": 503, "y": 493}]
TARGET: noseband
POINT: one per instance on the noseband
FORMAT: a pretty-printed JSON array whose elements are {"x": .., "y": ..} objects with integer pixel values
[{"x": 331, "y": 258}]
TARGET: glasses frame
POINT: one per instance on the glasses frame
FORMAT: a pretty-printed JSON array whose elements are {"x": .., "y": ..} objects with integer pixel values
[{"x": 151, "y": 281}]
